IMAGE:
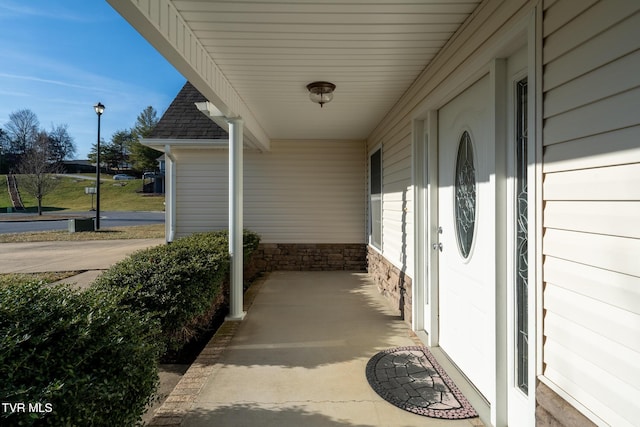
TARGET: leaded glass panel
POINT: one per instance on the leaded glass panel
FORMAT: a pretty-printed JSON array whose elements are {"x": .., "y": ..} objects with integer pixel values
[
  {"x": 375, "y": 200},
  {"x": 522, "y": 243},
  {"x": 465, "y": 195}
]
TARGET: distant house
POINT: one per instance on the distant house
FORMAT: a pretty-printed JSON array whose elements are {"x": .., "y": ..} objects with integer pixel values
[
  {"x": 482, "y": 158},
  {"x": 161, "y": 164},
  {"x": 155, "y": 179}
]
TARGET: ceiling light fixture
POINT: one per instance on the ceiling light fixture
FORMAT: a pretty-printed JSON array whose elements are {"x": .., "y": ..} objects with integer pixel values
[{"x": 321, "y": 92}]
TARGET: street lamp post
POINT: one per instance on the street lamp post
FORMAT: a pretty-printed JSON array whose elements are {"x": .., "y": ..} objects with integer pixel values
[{"x": 99, "y": 110}]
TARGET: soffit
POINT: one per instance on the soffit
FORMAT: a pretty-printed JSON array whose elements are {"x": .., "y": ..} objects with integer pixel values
[{"x": 373, "y": 50}]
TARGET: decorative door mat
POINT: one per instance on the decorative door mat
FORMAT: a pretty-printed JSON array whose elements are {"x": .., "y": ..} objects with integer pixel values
[{"x": 411, "y": 379}]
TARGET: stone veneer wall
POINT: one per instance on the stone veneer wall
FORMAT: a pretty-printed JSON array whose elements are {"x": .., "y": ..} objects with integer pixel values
[
  {"x": 309, "y": 257},
  {"x": 393, "y": 283},
  {"x": 554, "y": 411}
]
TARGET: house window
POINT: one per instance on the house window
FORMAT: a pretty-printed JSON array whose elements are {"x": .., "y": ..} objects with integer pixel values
[
  {"x": 465, "y": 188},
  {"x": 375, "y": 199}
]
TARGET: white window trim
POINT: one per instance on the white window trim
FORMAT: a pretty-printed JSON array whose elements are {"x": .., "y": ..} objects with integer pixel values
[{"x": 370, "y": 154}]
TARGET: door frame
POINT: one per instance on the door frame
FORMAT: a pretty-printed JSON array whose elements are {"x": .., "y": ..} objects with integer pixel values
[{"x": 425, "y": 308}]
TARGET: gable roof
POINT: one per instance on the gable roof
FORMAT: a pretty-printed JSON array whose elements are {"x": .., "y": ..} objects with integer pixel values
[{"x": 183, "y": 120}]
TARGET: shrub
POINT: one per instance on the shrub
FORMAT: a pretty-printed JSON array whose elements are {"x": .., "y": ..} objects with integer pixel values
[
  {"x": 80, "y": 355},
  {"x": 250, "y": 241},
  {"x": 219, "y": 240},
  {"x": 175, "y": 284},
  {"x": 180, "y": 284}
]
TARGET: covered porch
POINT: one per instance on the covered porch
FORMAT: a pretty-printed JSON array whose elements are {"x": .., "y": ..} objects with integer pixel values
[
  {"x": 298, "y": 358},
  {"x": 537, "y": 304},
  {"x": 255, "y": 64}
]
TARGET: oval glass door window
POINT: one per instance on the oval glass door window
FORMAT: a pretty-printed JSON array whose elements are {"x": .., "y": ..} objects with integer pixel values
[{"x": 465, "y": 188}]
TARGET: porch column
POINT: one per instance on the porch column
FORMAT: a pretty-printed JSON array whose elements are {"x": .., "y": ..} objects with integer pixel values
[
  {"x": 170, "y": 194},
  {"x": 235, "y": 218}
]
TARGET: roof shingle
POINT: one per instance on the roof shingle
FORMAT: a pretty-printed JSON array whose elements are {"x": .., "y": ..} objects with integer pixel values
[{"x": 183, "y": 120}]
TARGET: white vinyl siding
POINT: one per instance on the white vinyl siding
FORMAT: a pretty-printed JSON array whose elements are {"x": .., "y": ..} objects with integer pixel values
[
  {"x": 459, "y": 56},
  {"x": 299, "y": 192},
  {"x": 591, "y": 192},
  {"x": 397, "y": 221}
]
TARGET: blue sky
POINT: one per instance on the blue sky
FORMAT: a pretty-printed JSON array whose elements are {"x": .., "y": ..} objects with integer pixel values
[{"x": 59, "y": 58}]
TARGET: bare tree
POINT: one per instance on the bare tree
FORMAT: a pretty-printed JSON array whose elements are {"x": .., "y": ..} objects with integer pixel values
[
  {"x": 38, "y": 172},
  {"x": 22, "y": 131},
  {"x": 4, "y": 143}
]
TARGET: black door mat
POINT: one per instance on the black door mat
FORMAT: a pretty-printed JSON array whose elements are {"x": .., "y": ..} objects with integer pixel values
[{"x": 411, "y": 379}]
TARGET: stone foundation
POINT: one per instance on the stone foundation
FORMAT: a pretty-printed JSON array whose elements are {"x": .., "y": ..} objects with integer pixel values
[
  {"x": 554, "y": 411},
  {"x": 309, "y": 257},
  {"x": 393, "y": 283}
]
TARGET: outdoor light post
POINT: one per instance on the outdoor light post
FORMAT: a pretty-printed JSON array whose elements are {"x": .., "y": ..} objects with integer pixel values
[{"x": 99, "y": 110}]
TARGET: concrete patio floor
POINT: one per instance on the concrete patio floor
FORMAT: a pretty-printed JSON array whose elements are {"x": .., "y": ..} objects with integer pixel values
[{"x": 298, "y": 359}]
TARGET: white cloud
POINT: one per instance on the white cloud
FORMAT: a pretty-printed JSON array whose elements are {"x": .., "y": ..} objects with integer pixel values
[
  {"x": 47, "y": 81},
  {"x": 9, "y": 9}
]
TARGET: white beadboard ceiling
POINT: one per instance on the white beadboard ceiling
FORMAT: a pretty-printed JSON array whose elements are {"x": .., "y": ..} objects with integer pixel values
[{"x": 269, "y": 50}]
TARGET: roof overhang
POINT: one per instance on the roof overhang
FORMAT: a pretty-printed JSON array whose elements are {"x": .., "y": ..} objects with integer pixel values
[
  {"x": 254, "y": 59},
  {"x": 161, "y": 24},
  {"x": 160, "y": 144}
]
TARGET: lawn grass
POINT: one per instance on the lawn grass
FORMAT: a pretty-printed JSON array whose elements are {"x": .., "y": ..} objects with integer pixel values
[
  {"x": 49, "y": 277},
  {"x": 70, "y": 195},
  {"x": 4, "y": 193}
]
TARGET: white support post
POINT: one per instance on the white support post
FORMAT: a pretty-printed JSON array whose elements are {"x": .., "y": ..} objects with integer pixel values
[
  {"x": 170, "y": 194},
  {"x": 235, "y": 218}
]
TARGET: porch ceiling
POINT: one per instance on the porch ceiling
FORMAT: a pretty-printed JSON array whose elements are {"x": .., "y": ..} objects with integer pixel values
[{"x": 254, "y": 58}]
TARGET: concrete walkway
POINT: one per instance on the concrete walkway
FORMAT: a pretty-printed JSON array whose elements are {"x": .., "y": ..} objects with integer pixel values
[{"x": 298, "y": 359}]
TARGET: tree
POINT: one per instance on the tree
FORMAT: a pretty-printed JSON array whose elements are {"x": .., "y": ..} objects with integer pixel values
[
  {"x": 120, "y": 143},
  {"x": 104, "y": 153},
  {"x": 142, "y": 157},
  {"x": 4, "y": 144},
  {"x": 37, "y": 169},
  {"x": 145, "y": 122},
  {"x": 61, "y": 144},
  {"x": 114, "y": 154},
  {"x": 22, "y": 131}
]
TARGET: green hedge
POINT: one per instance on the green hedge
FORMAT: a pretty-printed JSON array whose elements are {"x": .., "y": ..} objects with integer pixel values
[
  {"x": 180, "y": 284},
  {"x": 90, "y": 358},
  {"x": 80, "y": 355},
  {"x": 250, "y": 241}
]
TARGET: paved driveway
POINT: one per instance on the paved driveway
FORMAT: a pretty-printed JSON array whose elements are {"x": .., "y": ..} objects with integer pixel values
[{"x": 41, "y": 257}]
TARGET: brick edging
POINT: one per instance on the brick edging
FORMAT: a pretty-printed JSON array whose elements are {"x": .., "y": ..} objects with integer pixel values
[{"x": 174, "y": 409}]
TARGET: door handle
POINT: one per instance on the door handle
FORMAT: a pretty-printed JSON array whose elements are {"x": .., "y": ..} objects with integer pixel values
[{"x": 437, "y": 246}]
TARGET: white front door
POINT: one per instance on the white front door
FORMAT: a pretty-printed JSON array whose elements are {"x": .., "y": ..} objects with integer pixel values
[{"x": 466, "y": 219}]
